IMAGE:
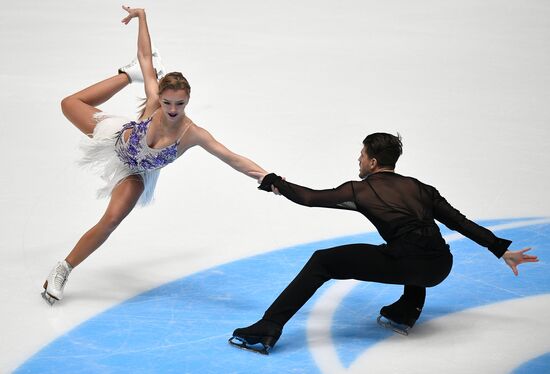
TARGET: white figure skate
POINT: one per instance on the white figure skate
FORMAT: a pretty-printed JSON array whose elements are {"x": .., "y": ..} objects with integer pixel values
[
  {"x": 133, "y": 70},
  {"x": 55, "y": 283}
]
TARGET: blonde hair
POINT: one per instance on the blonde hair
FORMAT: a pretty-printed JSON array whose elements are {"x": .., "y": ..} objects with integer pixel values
[{"x": 173, "y": 81}]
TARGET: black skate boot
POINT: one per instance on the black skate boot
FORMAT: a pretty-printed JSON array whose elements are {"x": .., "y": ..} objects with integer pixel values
[
  {"x": 399, "y": 316},
  {"x": 264, "y": 333}
]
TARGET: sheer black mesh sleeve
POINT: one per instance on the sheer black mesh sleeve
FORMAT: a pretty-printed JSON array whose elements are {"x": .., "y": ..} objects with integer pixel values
[
  {"x": 396, "y": 205},
  {"x": 453, "y": 219},
  {"x": 342, "y": 197}
]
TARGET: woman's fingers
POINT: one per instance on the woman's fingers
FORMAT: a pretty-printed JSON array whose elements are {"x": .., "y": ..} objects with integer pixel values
[{"x": 131, "y": 14}]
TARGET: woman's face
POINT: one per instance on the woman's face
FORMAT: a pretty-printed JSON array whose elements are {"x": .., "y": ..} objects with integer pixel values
[{"x": 173, "y": 103}]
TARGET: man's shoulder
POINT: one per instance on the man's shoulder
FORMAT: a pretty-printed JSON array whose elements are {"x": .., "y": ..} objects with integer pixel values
[
  {"x": 414, "y": 179},
  {"x": 410, "y": 180}
]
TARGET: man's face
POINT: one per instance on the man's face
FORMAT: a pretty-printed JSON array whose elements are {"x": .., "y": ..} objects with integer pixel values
[{"x": 366, "y": 164}]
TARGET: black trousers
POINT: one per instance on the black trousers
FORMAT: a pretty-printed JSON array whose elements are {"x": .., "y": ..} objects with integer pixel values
[{"x": 363, "y": 262}]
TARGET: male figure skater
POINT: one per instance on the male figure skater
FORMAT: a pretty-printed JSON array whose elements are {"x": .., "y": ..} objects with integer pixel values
[{"x": 404, "y": 211}]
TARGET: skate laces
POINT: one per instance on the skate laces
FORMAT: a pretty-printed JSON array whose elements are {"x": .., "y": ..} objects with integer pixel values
[{"x": 61, "y": 274}]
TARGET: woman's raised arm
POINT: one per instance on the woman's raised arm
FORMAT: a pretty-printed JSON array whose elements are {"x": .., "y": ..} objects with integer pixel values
[{"x": 145, "y": 57}]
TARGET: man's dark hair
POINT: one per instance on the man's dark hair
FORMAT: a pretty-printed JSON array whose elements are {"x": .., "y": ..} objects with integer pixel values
[{"x": 385, "y": 148}]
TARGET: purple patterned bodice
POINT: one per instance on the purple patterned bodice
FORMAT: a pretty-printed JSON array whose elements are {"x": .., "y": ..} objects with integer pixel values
[{"x": 136, "y": 153}]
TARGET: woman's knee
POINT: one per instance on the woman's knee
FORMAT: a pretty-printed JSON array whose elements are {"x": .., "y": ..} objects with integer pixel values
[
  {"x": 67, "y": 103},
  {"x": 123, "y": 199},
  {"x": 79, "y": 113},
  {"x": 69, "y": 107},
  {"x": 72, "y": 105},
  {"x": 110, "y": 221}
]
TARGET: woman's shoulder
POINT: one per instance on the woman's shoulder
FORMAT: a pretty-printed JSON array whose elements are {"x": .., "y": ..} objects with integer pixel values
[
  {"x": 197, "y": 131},
  {"x": 194, "y": 134}
]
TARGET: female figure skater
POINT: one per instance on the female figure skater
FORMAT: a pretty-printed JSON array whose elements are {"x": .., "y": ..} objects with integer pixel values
[
  {"x": 403, "y": 211},
  {"x": 131, "y": 153}
]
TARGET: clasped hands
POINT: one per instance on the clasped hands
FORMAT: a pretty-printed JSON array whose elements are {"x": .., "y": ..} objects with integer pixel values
[{"x": 266, "y": 183}]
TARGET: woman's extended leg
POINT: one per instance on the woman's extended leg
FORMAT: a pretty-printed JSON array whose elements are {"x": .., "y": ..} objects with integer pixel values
[
  {"x": 80, "y": 107},
  {"x": 123, "y": 199}
]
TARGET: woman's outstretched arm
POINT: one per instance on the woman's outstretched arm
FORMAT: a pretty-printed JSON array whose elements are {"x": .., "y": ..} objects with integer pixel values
[{"x": 237, "y": 162}]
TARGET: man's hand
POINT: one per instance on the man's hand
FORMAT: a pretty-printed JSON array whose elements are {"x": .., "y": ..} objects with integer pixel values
[{"x": 514, "y": 258}]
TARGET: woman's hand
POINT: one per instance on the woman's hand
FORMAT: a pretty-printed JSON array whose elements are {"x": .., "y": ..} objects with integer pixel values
[
  {"x": 132, "y": 13},
  {"x": 514, "y": 258}
]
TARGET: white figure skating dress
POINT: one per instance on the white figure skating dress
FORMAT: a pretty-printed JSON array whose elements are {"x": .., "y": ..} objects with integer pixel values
[{"x": 114, "y": 158}]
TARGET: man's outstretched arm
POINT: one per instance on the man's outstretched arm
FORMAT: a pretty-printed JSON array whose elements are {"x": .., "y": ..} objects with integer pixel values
[
  {"x": 342, "y": 197},
  {"x": 453, "y": 219}
]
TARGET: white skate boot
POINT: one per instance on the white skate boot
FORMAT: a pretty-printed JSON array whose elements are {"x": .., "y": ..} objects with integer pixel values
[
  {"x": 55, "y": 283},
  {"x": 133, "y": 70}
]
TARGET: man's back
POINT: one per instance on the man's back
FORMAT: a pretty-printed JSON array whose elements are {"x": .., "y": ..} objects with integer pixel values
[{"x": 396, "y": 204}]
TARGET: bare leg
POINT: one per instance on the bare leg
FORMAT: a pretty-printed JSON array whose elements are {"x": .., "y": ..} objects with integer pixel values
[
  {"x": 123, "y": 200},
  {"x": 80, "y": 107}
]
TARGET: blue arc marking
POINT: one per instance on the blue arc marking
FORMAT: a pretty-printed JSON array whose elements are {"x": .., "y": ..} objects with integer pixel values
[
  {"x": 538, "y": 365},
  {"x": 183, "y": 326}
]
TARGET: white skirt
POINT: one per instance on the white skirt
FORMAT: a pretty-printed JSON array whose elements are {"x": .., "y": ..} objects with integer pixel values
[{"x": 99, "y": 156}]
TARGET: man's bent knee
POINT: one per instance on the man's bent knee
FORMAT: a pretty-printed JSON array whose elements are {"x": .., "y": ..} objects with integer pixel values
[{"x": 318, "y": 257}]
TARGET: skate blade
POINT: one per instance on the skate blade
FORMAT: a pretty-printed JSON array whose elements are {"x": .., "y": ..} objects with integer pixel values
[
  {"x": 242, "y": 344},
  {"x": 395, "y": 327},
  {"x": 49, "y": 299}
]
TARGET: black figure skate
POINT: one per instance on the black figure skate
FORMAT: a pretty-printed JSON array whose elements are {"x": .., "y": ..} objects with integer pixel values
[
  {"x": 259, "y": 337},
  {"x": 399, "y": 316}
]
